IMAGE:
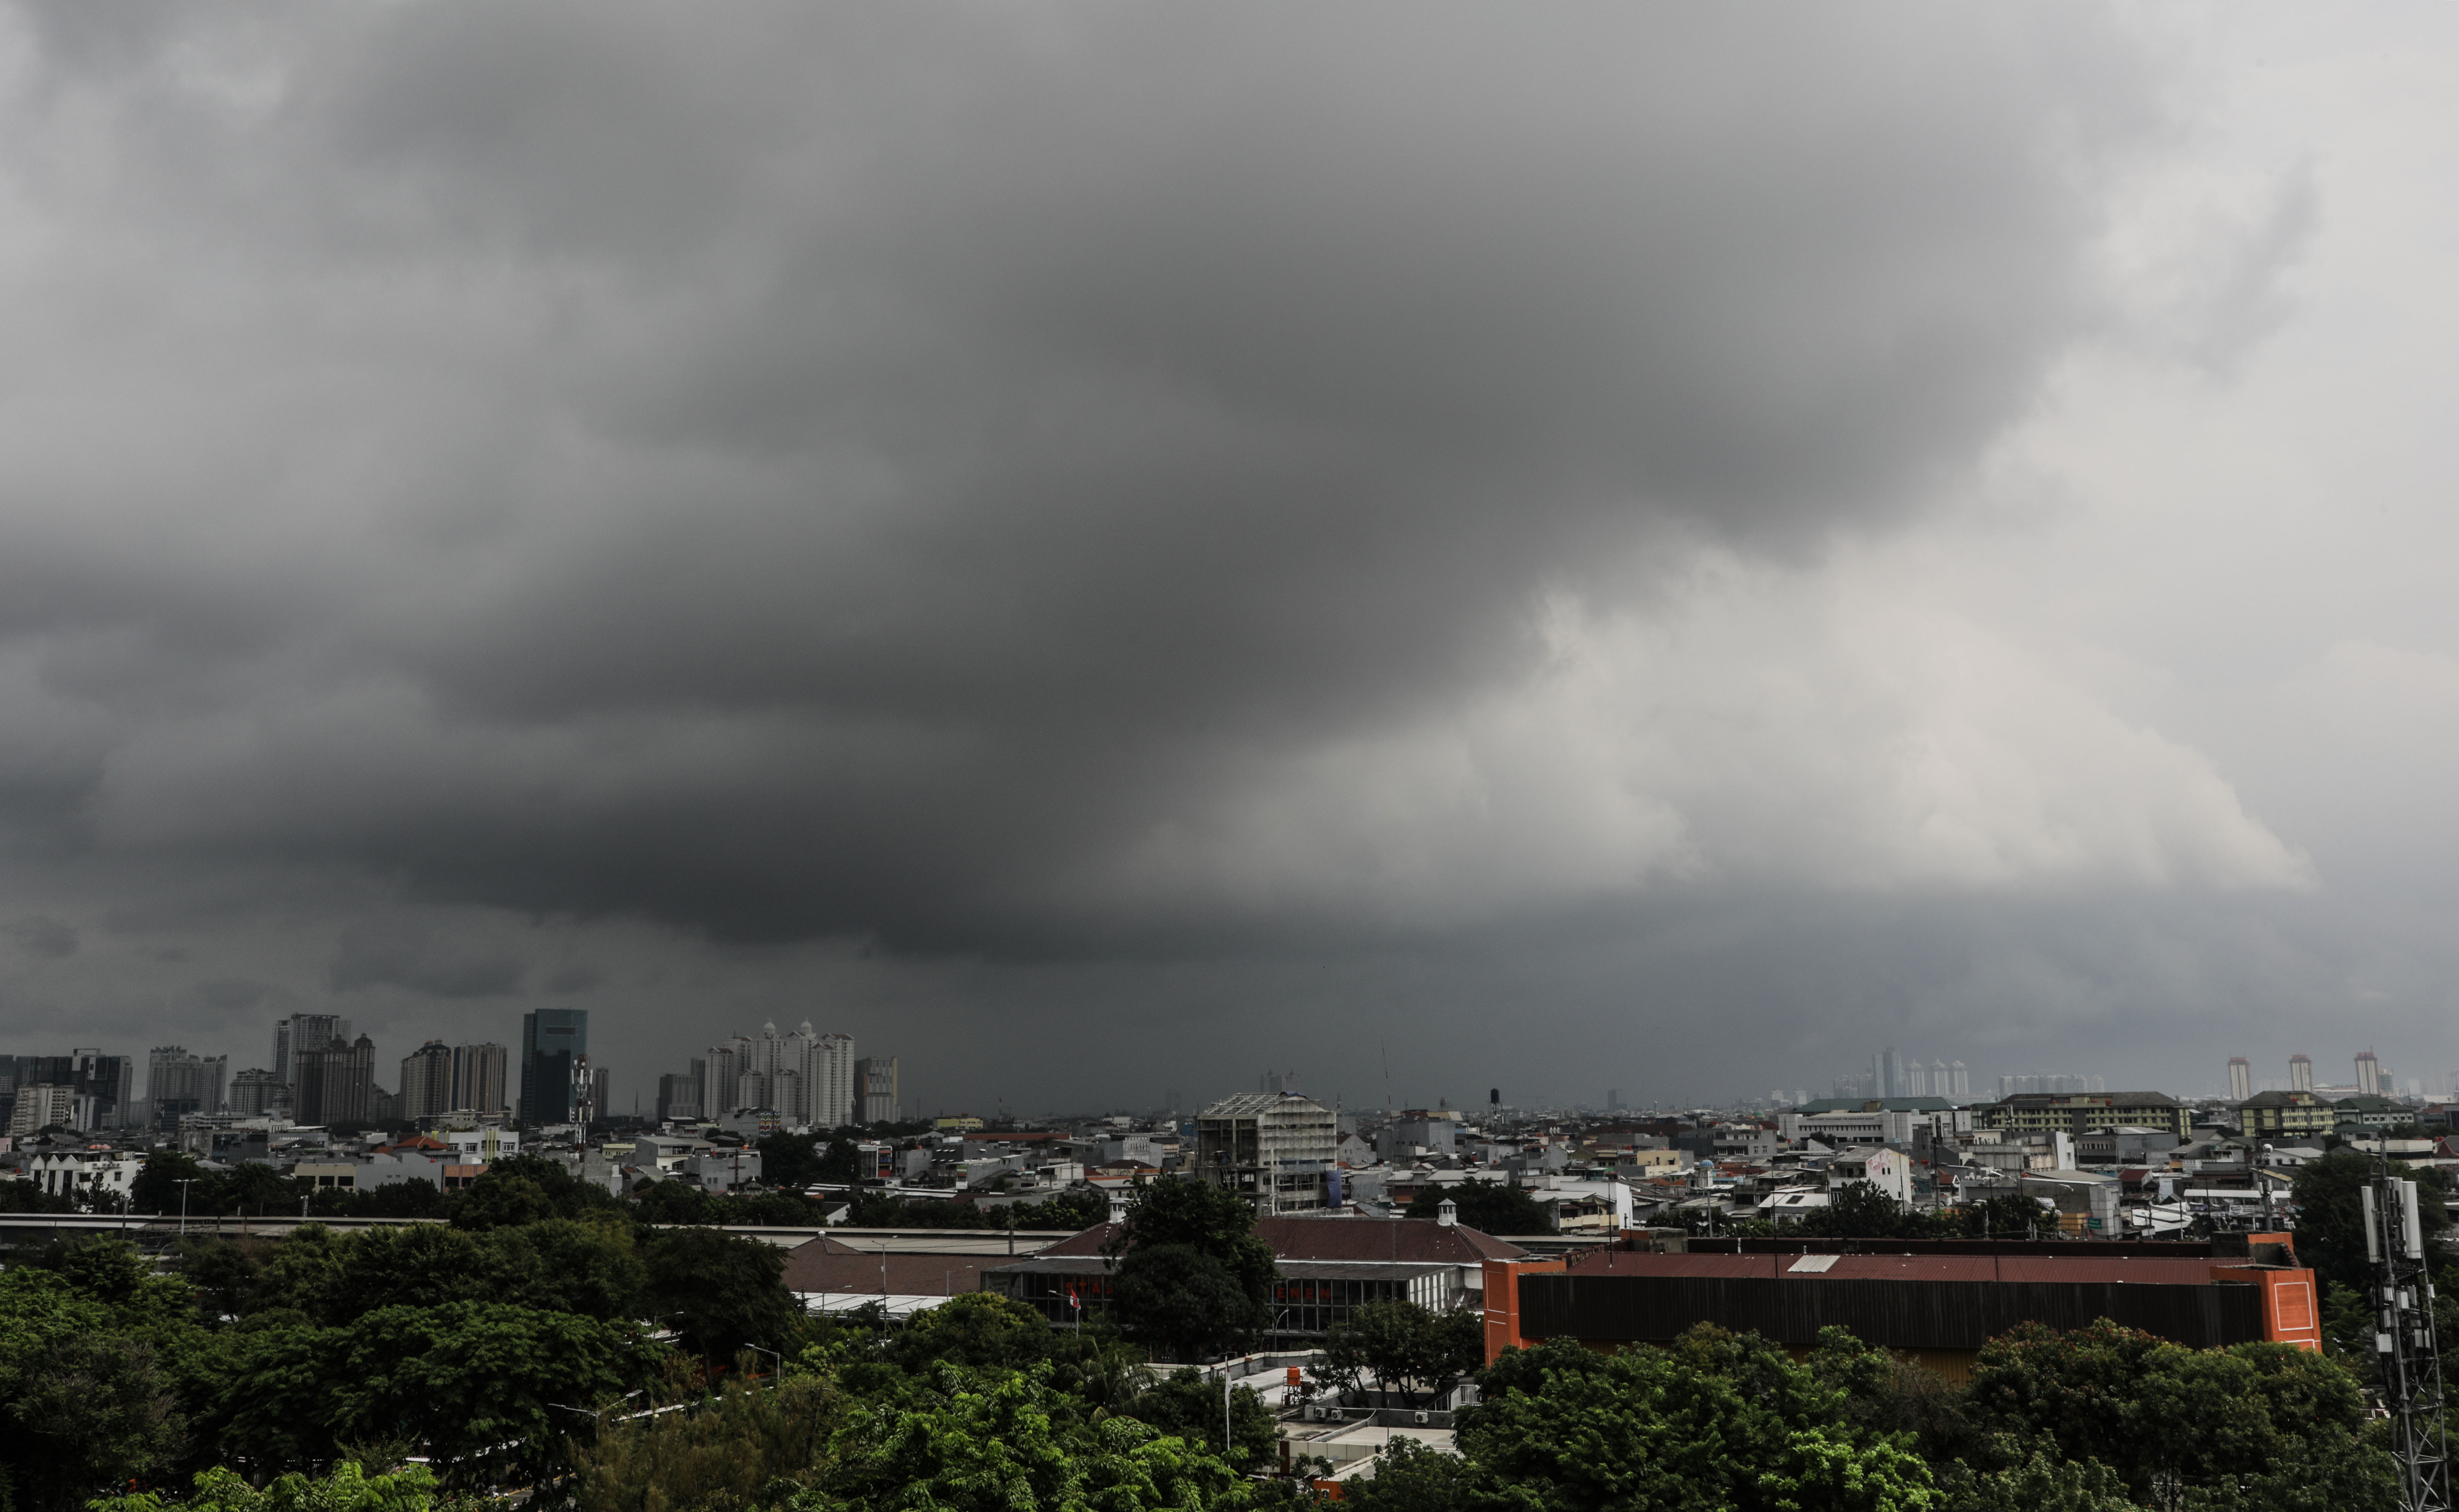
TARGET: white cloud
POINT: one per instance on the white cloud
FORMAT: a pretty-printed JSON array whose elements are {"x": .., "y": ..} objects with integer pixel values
[{"x": 1834, "y": 729}]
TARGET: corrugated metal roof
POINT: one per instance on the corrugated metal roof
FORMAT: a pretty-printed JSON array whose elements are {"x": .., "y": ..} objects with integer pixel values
[{"x": 2062, "y": 1269}]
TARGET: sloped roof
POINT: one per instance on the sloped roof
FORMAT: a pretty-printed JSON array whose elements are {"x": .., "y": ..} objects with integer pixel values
[
  {"x": 825, "y": 1265},
  {"x": 1387, "y": 1239}
]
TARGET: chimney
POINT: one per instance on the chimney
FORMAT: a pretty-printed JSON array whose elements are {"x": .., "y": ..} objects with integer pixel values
[{"x": 1448, "y": 1213}]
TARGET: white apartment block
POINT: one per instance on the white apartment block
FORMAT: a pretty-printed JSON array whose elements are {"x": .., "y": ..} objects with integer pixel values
[{"x": 806, "y": 1077}]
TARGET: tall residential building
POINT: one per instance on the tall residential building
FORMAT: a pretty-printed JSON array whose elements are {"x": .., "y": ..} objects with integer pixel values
[
  {"x": 42, "y": 1105},
  {"x": 875, "y": 1089},
  {"x": 806, "y": 1077},
  {"x": 2300, "y": 1073},
  {"x": 1275, "y": 1149},
  {"x": 427, "y": 1081},
  {"x": 255, "y": 1091},
  {"x": 1916, "y": 1075},
  {"x": 1888, "y": 1069},
  {"x": 313, "y": 1031},
  {"x": 722, "y": 1077},
  {"x": 1961, "y": 1076},
  {"x": 678, "y": 1096},
  {"x": 2369, "y": 1082},
  {"x": 178, "y": 1083},
  {"x": 2240, "y": 1072},
  {"x": 478, "y": 1077},
  {"x": 831, "y": 1081},
  {"x": 337, "y": 1082},
  {"x": 552, "y": 1041}
]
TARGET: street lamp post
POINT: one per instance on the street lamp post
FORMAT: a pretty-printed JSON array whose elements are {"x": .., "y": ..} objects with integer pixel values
[{"x": 186, "y": 1182}]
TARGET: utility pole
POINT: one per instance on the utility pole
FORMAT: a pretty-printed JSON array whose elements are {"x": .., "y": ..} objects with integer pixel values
[{"x": 2411, "y": 1365}]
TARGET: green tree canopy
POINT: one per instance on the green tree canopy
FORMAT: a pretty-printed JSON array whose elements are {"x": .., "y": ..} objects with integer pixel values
[
  {"x": 718, "y": 1291},
  {"x": 1185, "y": 1303},
  {"x": 1719, "y": 1423},
  {"x": 1192, "y": 1278},
  {"x": 2330, "y": 1217},
  {"x": 2169, "y": 1419},
  {"x": 1486, "y": 1207},
  {"x": 1411, "y": 1348},
  {"x": 1240, "y": 1427}
]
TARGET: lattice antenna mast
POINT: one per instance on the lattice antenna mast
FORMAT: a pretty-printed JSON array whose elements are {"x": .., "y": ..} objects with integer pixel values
[{"x": 2411, "y": 1366}]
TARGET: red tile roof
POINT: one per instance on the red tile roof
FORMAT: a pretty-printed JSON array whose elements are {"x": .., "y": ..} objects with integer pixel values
[{"x": 825, "y": 1265}]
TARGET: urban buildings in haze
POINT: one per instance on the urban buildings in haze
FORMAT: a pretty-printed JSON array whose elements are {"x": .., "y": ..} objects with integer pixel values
[
  {"x": 314, "y": 1031},
  {"x": 875, "y": 1090},
  {"x": 2300, "y": 1073},
  {"x": 335, "y": 1082},
  {"x": 436, "y": 1079},
  {"x": 2240, "y": 1078},
  {"x": 805, "y": 1077},
  {"x": 552, "y": 1041}
]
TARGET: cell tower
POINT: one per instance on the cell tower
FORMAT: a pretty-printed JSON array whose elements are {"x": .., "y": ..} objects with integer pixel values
[{"x": 2412, "y": 1367}]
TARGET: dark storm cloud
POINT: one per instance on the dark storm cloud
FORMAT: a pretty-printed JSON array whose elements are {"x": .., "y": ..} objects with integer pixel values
[
  {"x": 844, "y": 471},
  {"x": 370, "y": 954},
  {"x": 40, "y": 935}
]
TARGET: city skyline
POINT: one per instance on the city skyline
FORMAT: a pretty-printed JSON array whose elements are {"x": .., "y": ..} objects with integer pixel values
[{"x": 1733, "y": 543}]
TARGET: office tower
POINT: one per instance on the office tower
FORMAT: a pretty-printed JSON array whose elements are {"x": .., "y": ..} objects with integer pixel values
[
  {"x": 337, "y": 1082},
  {"x": 105, "y": 1086},
  {"x": 427, "y": 1081},
  {"x": 2368, "y": 1075},
  {"x": 875, "y": 1089},
  {"x": 255, "y": 1091},
  {"x": 2240, "y": 1075},
  {"x": 313, "y": 1031},
  {"x": 478, "y": 1073},
  {"x": 552, "y": 1041},
  {"x": 1890, "y": 1070},
  {"x": 2300, "y": 1073}
]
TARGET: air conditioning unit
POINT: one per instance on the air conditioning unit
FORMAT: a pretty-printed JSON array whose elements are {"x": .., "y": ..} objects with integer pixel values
[
  {"x": 1423, "y": 1419},
  {"x": 1314, "y": 1413}
]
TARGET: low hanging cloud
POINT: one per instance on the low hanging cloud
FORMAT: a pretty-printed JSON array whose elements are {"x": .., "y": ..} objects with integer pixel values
[{"x": 997, "y": 480}]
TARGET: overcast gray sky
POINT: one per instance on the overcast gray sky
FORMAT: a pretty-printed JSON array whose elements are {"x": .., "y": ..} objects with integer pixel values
[{"x": 1101, "y": 547}]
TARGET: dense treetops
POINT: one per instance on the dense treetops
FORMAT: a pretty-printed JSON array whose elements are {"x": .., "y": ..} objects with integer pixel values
[{"x": 548, "y": 1338}]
